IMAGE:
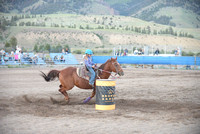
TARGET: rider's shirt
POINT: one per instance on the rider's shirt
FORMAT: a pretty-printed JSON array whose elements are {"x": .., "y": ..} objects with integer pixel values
[{"x": 88, "y": 62}]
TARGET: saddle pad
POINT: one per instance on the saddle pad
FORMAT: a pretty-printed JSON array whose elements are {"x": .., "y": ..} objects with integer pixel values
[{"x": 83, "y": 73}]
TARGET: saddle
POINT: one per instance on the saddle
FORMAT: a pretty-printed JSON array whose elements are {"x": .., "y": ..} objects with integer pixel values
[{"x": 84, "y": 73}]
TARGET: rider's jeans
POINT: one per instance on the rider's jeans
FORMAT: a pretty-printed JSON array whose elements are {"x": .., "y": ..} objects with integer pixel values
[{"x": 92, "y": 78}]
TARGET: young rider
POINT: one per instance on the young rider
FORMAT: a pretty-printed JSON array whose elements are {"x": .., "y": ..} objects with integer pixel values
[{"x": 90, "y": 65}]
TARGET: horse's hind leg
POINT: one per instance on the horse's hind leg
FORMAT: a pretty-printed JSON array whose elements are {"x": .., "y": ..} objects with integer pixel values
[{"x": 63, "y": 91}]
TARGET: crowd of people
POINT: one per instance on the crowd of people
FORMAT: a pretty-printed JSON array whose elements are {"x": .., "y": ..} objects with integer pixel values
[
  {"x": 125, "y": 53},
  {"x": 17, "y": 56},
  {"x": 61, "y": 58},
  {"x": 135, "y": 52},
  {"x": 140, "y": 51}
]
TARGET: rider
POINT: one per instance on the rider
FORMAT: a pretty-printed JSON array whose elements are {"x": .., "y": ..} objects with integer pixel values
[{"x": 90, "y": 65}]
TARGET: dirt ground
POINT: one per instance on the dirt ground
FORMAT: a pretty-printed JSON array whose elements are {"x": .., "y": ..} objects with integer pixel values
[{"x": 148, "y": 101}]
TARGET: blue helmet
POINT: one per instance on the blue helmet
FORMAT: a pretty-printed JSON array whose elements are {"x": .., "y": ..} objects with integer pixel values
[{"x": 88, "y": 51}]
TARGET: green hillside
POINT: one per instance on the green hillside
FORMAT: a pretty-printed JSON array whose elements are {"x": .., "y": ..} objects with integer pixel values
[
  {"x": 93, "y": 23},
  {"x": 180, "y": 16},
  {"x": 148, "y": 10}
]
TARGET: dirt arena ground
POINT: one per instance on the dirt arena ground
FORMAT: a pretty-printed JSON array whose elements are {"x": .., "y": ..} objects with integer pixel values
[{"x": 148, "y": 101}]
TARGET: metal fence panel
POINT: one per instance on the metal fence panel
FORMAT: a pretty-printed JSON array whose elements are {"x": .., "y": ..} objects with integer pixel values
[{"x": 165, "y": 60}]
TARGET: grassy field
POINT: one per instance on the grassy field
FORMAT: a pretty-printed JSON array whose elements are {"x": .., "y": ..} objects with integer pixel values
[{"x": 95, "y": 31}]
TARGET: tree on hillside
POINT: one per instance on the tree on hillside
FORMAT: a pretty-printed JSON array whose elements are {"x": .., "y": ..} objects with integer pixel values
[
  {"x": 35, "y": 48},
  {"x": 47, "y": 47},
  {"x": 3, "y": 23},
  {"x": 171, "y": 31},
  {"x": 21, "y": 24},
  {"x": 7, "y": 44},
  {"x": 144, "y": 31},
  {"x": 155, "y": 32},
  {"x": 13, "y": 42},
  {"x": 87, "y": 26},
  {"x": 58, "y": 48},
  {"x": 41, "y": 48},
  {"x": 148, "y": 30}
]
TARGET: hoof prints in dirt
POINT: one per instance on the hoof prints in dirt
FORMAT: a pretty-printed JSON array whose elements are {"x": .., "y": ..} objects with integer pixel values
[
  {"x": 39, "y": 105},
  {"x": 42, "y": 105}
]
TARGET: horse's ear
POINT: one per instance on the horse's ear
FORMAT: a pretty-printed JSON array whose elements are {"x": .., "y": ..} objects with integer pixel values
[{"x": 116, "y": 58}]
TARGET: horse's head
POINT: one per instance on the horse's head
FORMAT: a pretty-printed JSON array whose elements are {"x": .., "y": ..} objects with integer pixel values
[{"x": 115, "y": 67}]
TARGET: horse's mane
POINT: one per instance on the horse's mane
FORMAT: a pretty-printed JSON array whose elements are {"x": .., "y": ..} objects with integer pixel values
[{"x": 103, "y": 65}]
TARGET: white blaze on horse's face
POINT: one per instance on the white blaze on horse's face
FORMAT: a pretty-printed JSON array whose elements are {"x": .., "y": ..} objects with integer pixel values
[{"x": 116, "y": 67}]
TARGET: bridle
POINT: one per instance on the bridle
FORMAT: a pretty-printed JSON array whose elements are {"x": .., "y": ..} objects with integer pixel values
[{"x": 115, "y": 64}]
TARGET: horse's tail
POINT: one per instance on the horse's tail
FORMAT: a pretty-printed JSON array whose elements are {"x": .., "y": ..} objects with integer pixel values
[{"x": 51, "y": 75}]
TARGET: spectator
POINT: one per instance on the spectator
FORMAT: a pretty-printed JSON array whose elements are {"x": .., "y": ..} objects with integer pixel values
[
  {"x": 28, "y": 58},
  {"x": 63, "y": 51},
  {"x": 135, "y": 52},
  {"x": 3, "y": 53},
  {"x": 139, "y": 52},
  {"x": 124, "y": 54},
  {"x": 19, "y": 56},
  {"x": 43, "y": 56},
  {"x": 62, "y": 59},
  {"x": 157, "y": 52},
  {"x": 176, "y": 52},
  {"x": 35, "y": 59},
  {"x": 66, "y": 51},
  {"x": 16, "y": 57},
  {"x": 142, "y": 53},
  {"x": 126, "y": 50},
  {"x": 56, "y": 58},
  {"x": 117, "y": 53},
  {"x": 6, "y": 58},
  {"x": 12, "y": 56}
]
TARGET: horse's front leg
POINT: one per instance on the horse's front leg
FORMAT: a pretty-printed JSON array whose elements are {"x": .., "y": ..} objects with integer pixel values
[{"x": 93, "y": 94}]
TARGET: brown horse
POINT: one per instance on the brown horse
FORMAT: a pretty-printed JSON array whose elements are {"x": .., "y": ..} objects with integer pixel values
[{"x": 68, "y": 77}]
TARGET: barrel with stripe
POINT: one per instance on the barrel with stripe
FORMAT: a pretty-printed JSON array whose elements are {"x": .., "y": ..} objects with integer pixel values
[{"x": 105, "y": 93}]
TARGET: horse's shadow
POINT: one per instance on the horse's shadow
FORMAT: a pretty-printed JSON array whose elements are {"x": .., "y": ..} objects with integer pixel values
[
  {"x": 56, "y": 100},
  {"x": 121, "y": 104}
]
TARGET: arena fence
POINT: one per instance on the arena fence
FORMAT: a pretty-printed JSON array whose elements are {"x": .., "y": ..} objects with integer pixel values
[{"x": 159, "y": 60}]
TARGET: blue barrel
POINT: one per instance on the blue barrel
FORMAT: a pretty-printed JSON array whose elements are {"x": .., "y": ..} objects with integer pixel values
[{"x": 105, "y": 93}]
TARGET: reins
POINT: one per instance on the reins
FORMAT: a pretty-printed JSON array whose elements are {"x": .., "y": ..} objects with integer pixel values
[{"x": 113, "y": 76}]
